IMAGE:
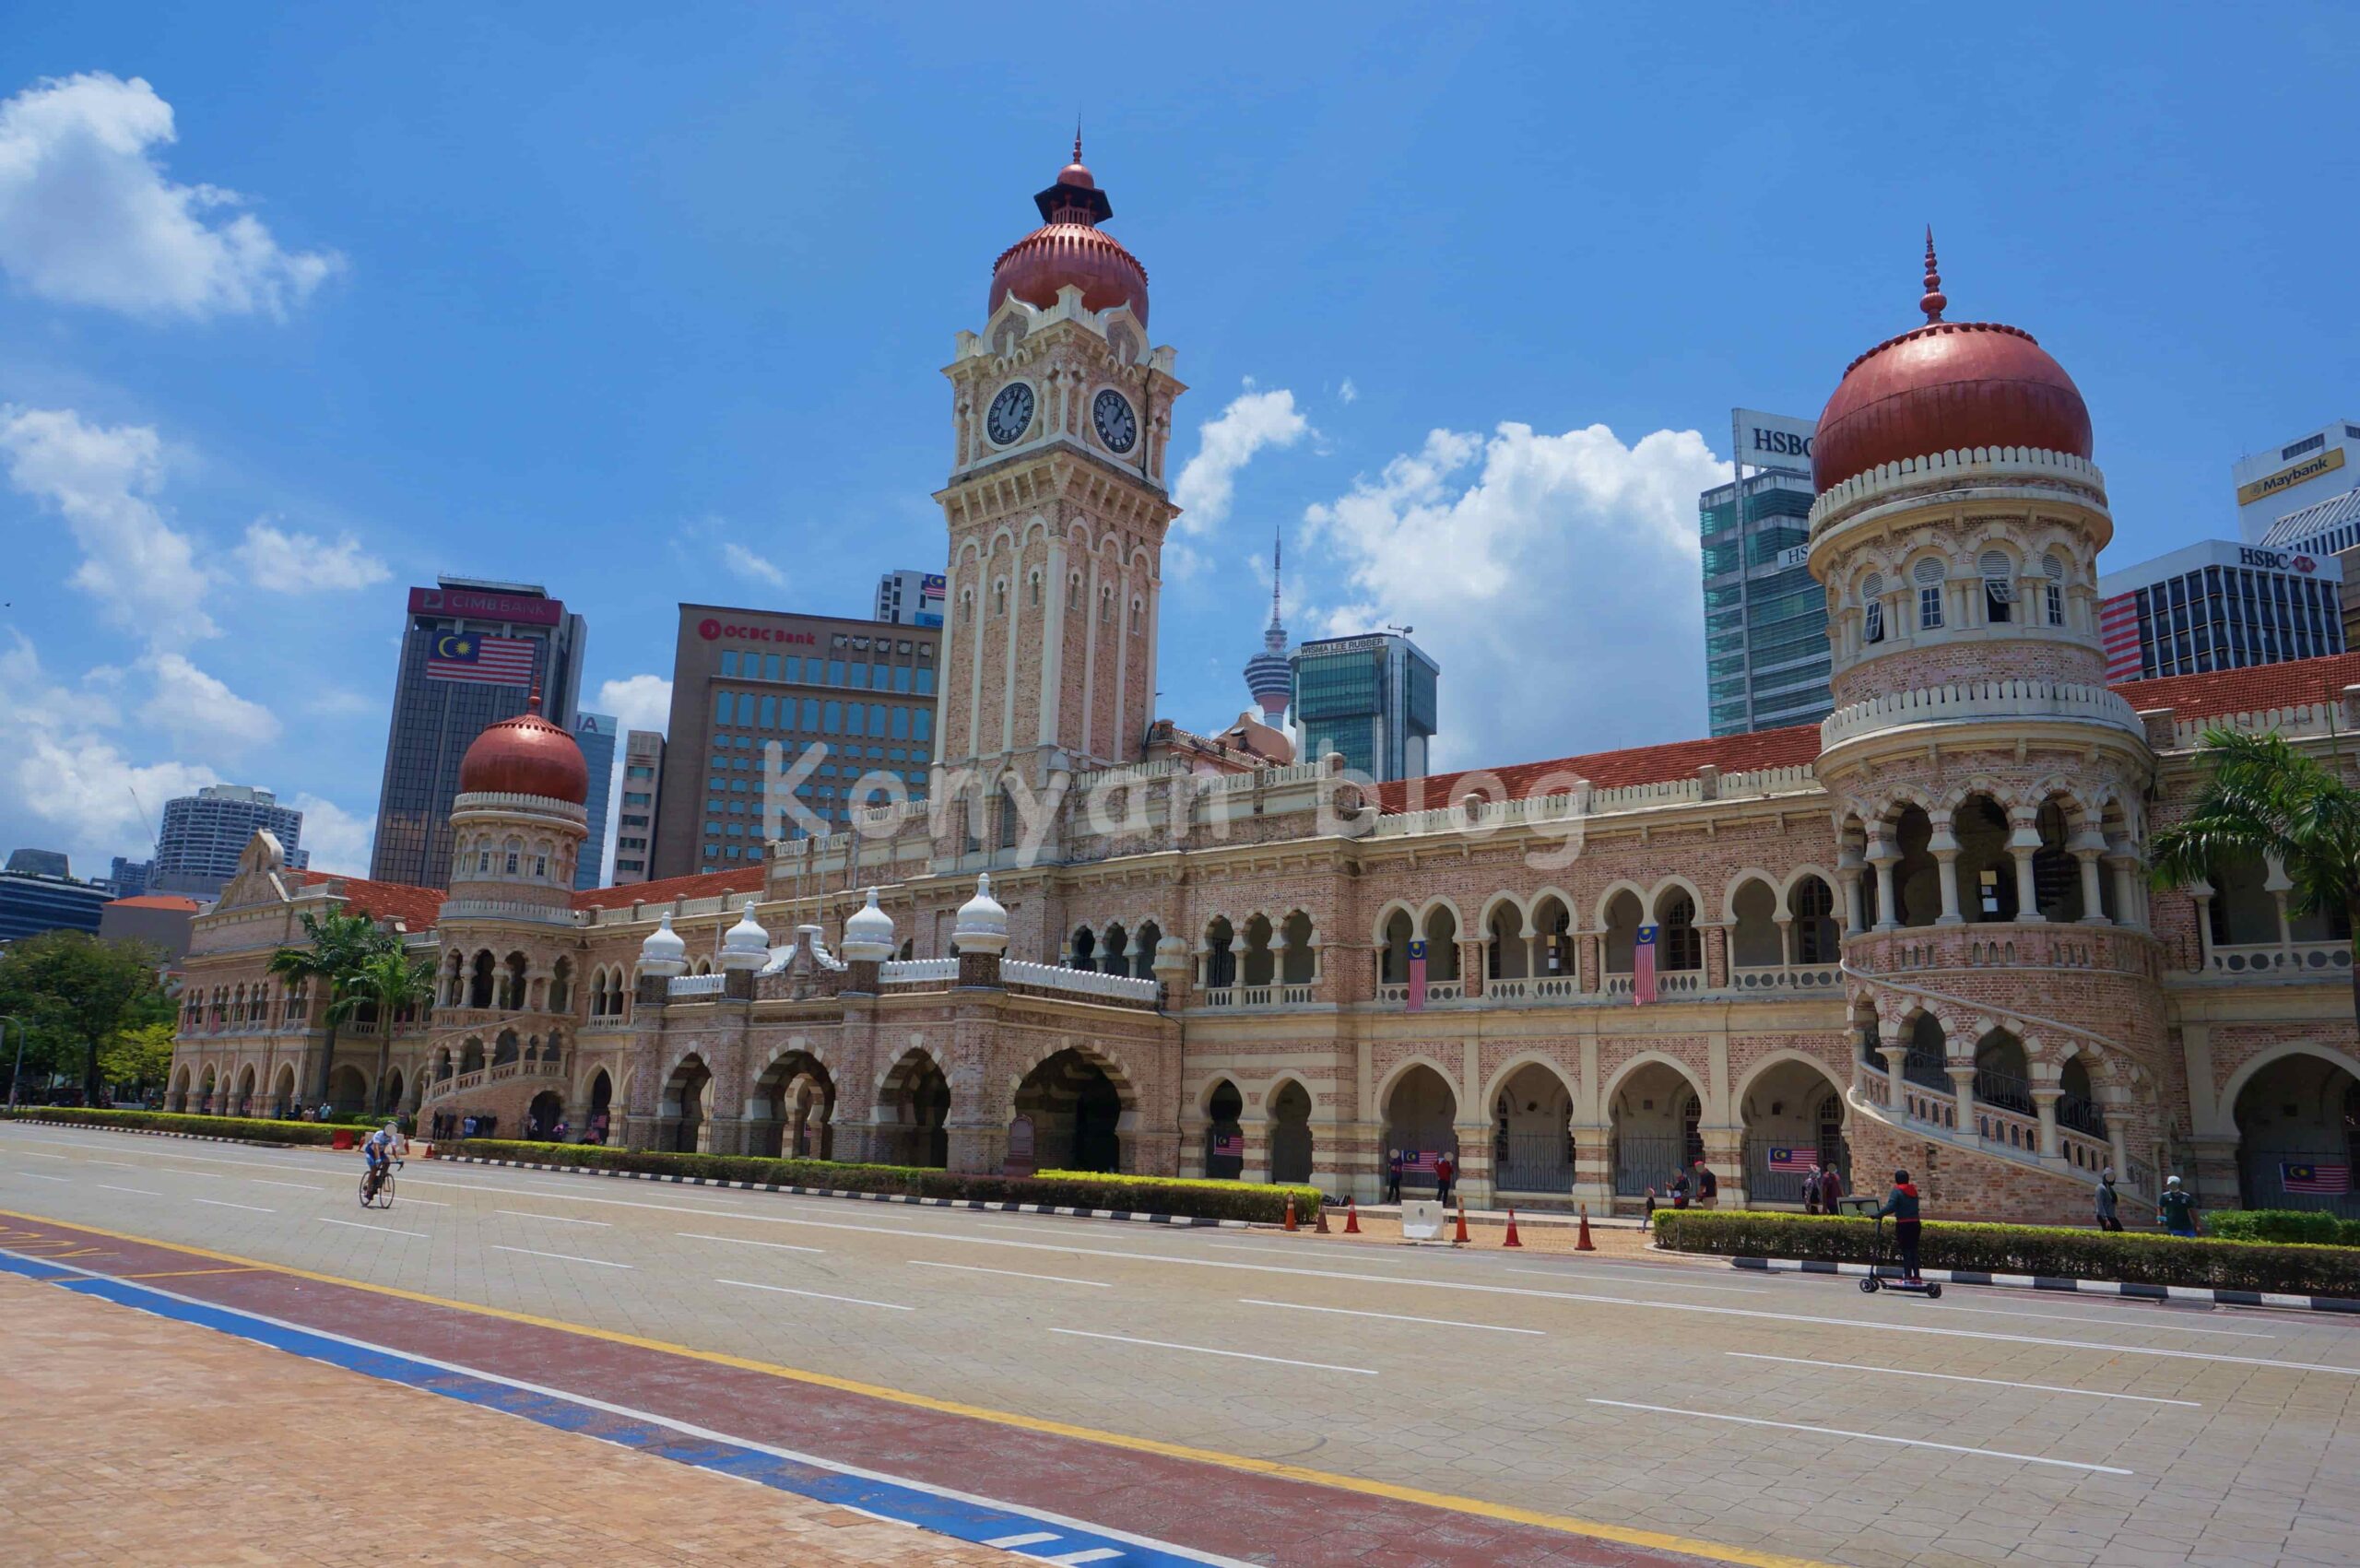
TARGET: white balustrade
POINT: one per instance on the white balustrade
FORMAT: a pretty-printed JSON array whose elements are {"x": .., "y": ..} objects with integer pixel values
[{"x": 695, "y": 986}]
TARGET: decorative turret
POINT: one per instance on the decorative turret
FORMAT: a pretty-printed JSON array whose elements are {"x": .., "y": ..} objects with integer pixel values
[
  {"x": 982, "y": 927},
  {"x": 1069, "y": 248},
  {"x": 746, "y": 944},
  {"x": 518, "y": 823},
  {"x": 868, "y": 934},
  {"x": 663, "y": 954}
]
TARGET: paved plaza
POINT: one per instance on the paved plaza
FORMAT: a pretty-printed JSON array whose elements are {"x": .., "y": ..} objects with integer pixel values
[{"x": 1248, "y": 1397}]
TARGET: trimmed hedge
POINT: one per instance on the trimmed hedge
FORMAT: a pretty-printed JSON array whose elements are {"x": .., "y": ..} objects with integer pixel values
[
  {"x": 255, "y": 1129},
  {"x": 1079, "y": 1189},
  {"x": 2315, "y": 1227},
  {"x": 2138, "y": 1258}
]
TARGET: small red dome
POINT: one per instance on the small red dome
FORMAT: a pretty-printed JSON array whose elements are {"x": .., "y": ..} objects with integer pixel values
[
  {"x": 1069, "y": 248},
  {"x": 525, "y": 755},
  {"x": 1947, "y": 386}
]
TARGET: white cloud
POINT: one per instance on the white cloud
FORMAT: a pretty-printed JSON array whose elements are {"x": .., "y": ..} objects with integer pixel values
[
  {"x": 638, "y": 701},
  {"x": 303, "y": 563},
  {"x": 203, "y": 712},
  {"x": 88, "y": 217},
  {"x": 335, "y": 703},
  {"x": 746, "y": 563},
  {"x": 1348, "y": 393},
  {"x": 1553, "y": 577},
  {"x": 101, "y": 480},
  {"x": 1225, "y": 445},
  {"x": 336, "y": 840}
]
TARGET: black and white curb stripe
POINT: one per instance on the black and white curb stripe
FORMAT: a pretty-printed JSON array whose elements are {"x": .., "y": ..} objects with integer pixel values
[
  {"x": 980, "y": 1205},
  {"x": 2070, "y": 1286}
]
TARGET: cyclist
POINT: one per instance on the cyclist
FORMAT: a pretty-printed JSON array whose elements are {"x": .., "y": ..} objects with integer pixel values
[{"x": 379, "y": 1150}]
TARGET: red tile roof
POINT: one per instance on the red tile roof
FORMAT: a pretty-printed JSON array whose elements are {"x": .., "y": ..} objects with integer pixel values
[
  {"x": 2248, "y": 691},
  {"x": 1794, "y": 745},
  {"x": 416, "y": 908},
  {"x": 737, "y": 880},
  {"x": 179, "y": 902}
]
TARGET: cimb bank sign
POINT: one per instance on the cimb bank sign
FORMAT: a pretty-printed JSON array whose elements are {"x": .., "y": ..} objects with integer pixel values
[{"x": 1772, "y": 441}]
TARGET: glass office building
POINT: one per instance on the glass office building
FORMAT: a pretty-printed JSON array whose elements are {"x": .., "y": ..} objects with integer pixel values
[
  {"x": 1371, "y": 698},
  {"x": 2219, "y": 605},
  {"x": 205, "y": 833},
  {"x": 434, "y": 721},
  {"x": 597, "y": 735},
  {"x": 1766, "y": 657}
]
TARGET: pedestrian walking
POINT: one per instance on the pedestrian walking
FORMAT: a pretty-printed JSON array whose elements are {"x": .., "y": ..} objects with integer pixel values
[
  {"x": 1831, "y": 1190},
  {"x": 2109, "y": 1202},
  {"x": 1810, "y": 1192},
  {"x": 1445, "y": 1171},
  {"x": 2176, "y": 1209},
  {"x": 1901, "y": 1203},
  {"x": 1392, "y": 1175},
  {"x": 1707, "y": 1188}
]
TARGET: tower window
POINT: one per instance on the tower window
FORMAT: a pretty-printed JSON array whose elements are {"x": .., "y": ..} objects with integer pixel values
[
  {"x": 2053, "y": 569},
  {"x": 1872, "y": 609},
  {"x": 1929, "y": 608},
  {"x": 1999, "y": 592}
]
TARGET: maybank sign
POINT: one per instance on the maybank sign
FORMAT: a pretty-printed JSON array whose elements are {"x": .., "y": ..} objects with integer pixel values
[
  {"x": 2310, "y": 468},
  {"x": 1772, "y": 441}
]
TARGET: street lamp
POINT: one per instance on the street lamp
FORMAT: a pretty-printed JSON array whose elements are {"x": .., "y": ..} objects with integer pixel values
[{"x": 16, "y": 1077}]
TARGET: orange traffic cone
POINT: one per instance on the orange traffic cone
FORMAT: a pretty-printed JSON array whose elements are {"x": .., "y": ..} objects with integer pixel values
[
  {"x": 1352, "y": 1216},
  {"x": 1582, "y": 1242},
  {"x": 1460, "y": 1240},
  {"x": 1291, "y": 1225},
  {"x": 1512, "y": 1240},
  {"x": 1321, "y": 1227}
]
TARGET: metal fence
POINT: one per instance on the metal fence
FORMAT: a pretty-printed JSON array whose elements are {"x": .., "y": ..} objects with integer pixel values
[
  {"x": 1640, "y": 1162},
  {"x": 2265, "y": 1186},
  {"x": 1764, "y": 1185},
  {"x": 2007, "y": 1091},
  {"x": 1532, "y": 1163}
]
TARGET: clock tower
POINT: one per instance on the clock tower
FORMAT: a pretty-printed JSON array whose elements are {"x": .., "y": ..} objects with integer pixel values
[{"x": 1061, "y": 418}]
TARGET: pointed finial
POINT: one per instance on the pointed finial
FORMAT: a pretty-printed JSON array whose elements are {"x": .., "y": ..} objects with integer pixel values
[
  {"x": 533, "y": 703},
  {"x": 1934, "y": 301},
  {"x": 1077, "y": 137}
]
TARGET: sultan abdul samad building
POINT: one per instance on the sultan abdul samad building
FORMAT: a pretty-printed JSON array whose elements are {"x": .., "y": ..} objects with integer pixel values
[{"x": 1919, "y": 933}]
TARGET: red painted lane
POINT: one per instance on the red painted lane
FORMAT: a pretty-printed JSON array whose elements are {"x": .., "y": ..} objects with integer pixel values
[{"x": 1187, "y": 1503}]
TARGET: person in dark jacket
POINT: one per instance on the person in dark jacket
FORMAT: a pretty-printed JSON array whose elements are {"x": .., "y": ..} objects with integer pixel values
[
  {"x": 1901, "y": 1203},
  {"x": 2109, "y": 1202},
  {"x": 1707, "y": 1188},
  {"x": 1393, "y": 1176}
]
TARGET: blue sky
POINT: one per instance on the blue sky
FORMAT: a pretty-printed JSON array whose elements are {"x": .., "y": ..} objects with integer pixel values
[{"x": 300, "y": 306}]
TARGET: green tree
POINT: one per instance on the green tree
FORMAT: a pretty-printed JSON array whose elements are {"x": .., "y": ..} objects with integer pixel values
[
  {"x": 389, "y": 982},
  {"x": 72, "y": 991},
  {"x": 140, "y": 1056},
  {"x": 334, "y": 954},
  {"x": 2265, "y": 800}
]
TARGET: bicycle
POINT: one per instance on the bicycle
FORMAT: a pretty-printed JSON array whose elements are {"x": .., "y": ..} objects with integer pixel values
[{"x": 377, "y": 1187}]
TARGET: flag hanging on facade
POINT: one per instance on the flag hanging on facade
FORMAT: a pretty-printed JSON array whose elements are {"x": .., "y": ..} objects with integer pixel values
[
  {"x": 1800, "y": 1161},
  {"x": 1643, "y": 966},
  {"x": 1418, "y": 1161},
  {"x": 2321, "y": 1180},
  {"x": 1417, "y": 1003},
  {"x": 1229, "y": 1146},
  {"x": 492, "y": 661}
]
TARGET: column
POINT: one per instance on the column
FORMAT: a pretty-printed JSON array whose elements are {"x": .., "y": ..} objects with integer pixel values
[
  {"x": 2201, "y": 894},
  {"x": 1855, "y": 916},
  {"x": 1896, "y": 1095},
  {"x": 1725, "y": 1155},
  {"x": 1946, "y": 866},
  {"x": 2092, "y": 895},
  {"x": 2278, "y": 886},
  {"x": 1962, "y": 1090},
  {"x": 1888, "y": 910},
  {"x": 2126, "y": 886},
  {"x": 2044, "y": 1102},
  {"x": 2021, "y": 842},
  {"x": 1593, "y": 960},
  {"x": 1716, "y": 956},
  {"x": 1474, "y": 1181}
]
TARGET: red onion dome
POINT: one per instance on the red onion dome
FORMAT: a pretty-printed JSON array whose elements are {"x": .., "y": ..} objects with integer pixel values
[
  {"x": 525, "y": 755},
  {"x": 1947, "y": 386},
  {"x": 1069, "y": 248}
]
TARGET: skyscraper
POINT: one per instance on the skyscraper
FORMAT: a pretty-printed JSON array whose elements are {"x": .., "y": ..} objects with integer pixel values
[
  {"x": 635, "y": 823},
  {"x": 472, "y": 653},
  {"x": 1371, "y": 698},
  {"x": 595, "y": 734},
  {"x": 911, "y": 598},
  {"x": 1765, "y": 616},
  {"x": 204, "y": 834}
]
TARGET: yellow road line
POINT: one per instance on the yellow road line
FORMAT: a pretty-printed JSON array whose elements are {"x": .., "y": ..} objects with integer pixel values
[
  {"x": 184, "y": 1273},
  {"x": 1657, "y": 1540}
]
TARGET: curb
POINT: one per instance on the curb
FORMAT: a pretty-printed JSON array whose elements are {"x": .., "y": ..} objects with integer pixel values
[
  {"x": 2057, "y": 1283},
  {"x": 1184, "y": 1221},
  {"x": 161, "y": 1132}
]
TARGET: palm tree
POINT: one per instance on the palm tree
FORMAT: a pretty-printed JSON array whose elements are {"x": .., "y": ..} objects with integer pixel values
[
  {"x": 390, "y": 980},
  {"x": 2267, "y": 800},
  {"x": 334, "y": 951}
]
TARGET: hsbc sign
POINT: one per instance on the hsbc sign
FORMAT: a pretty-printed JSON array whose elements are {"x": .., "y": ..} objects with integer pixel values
[
  {"x": 1772, "y": 441},
  {"x": 2276, "y": 561}
]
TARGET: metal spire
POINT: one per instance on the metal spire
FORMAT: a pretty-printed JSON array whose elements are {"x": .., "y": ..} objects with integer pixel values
[{"x": 1933, "y": 300}]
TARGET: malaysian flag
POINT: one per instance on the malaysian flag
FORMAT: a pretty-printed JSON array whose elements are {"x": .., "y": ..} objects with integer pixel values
[
  {"x": 1417, "y": 1002},
  {"x": 1228, "y": 1144},
  {"x": 492, "y": 661},
  {"x": 2118, "y": 630},
  {"x": 1418, "y": 1162},
  {"x": 1643, "y": 966},
  {"x": 2324, "y": 1181},
  {"x": 1797, "y": 1160}
]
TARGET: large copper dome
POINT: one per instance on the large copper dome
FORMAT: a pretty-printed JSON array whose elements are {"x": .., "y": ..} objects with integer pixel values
[
  {"x": 1946, "y": 386},
  {"x": 1069, "y": 248},
  {"x": 525, "y": 755}
]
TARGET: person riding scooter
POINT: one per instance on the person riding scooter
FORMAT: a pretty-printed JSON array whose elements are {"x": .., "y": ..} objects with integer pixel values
[{"x": 1901, "y": 1203}]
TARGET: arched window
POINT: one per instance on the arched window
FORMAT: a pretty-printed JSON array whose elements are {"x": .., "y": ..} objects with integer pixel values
[
  {"x": 1999, "y": 587},
  {"x": 1085, "y": 949},
  {"x": 2052, "y": 566},
  {"x": 1813, "y": 902},
  {"x": 1442, "y": 945},
  {"x": 513, "y": 849},
  {"x": 1872, "y": 609},
  {"x": 1679, "y": 944},
  {"x": 1394, "y": 961},
  {"x": 1032, "y": 590},
  {"x": 1220, "y": 959},
  {"x": 1928, "y": 574}
]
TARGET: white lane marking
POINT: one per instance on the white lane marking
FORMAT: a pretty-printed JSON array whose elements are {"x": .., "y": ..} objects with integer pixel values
[
  {"x": 815, "y": 1295},
  {"x": 37, "y": 1154},
  {"x": 554, "y": 1219},
  {"x": 388, "y": 1230},
  {"x": 1390, "y": 1316},
  {"x": 1076, "y": 1559},
  {"x": 1010, "y": 1273},
  {"x": 1573, "y": 1276},
  {"x": 217, "y": 1203},
  {"x": 142, "y": 1191},
  {"x": 565, "y": 1258},
  {"x": 1034, "y": 1538},
  {"x": 1955, "y": 1377},
  {"x": 1208, "y": 1350},
  {"x": 116, "y": 1163},
  {"x": 266, "y": 1182},
  {"x": 703, "y": 1433},
  {"x": 1867, "y": 1436},
  {"x": 743, "y": 1242},
  {"x": 2152, "y": 1320},
  {"x": 36, "y": 1176},
  {"x": 430, "y": 1203}
]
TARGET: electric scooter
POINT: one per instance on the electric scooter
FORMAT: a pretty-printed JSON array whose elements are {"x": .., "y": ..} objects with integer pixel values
[{"x": 1887, "y": 1256}]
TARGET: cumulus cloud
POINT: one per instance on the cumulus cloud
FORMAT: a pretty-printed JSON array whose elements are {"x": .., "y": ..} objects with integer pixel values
[
  {"x": 1253, "y": 420},
  {"x": 88, "y": 218},
  {"x": 746, "y": 563},
  {"x": 336, "y": 840},
  {"x": 201, "y": 711},
  {"x": 103, "y": 480},
  {"x": 638, "y": 701},
  {"x": 286, "y": 562},
  {"x": 1348, "y": 393},
  {"x": 1553, "y": 577}
]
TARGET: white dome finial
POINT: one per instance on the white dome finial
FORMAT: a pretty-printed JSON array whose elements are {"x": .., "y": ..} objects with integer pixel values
[
  {"x": 982, "y": 926},
  {"x": 868, "y": 934},
  {"x": 664, "y": 952},
  {"x": 747, "y": 945}
]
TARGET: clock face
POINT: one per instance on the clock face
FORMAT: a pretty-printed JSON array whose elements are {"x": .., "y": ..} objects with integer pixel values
[
  {"x": 1010, "y": 415},
  {"x": 1117, "y": 426}
]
